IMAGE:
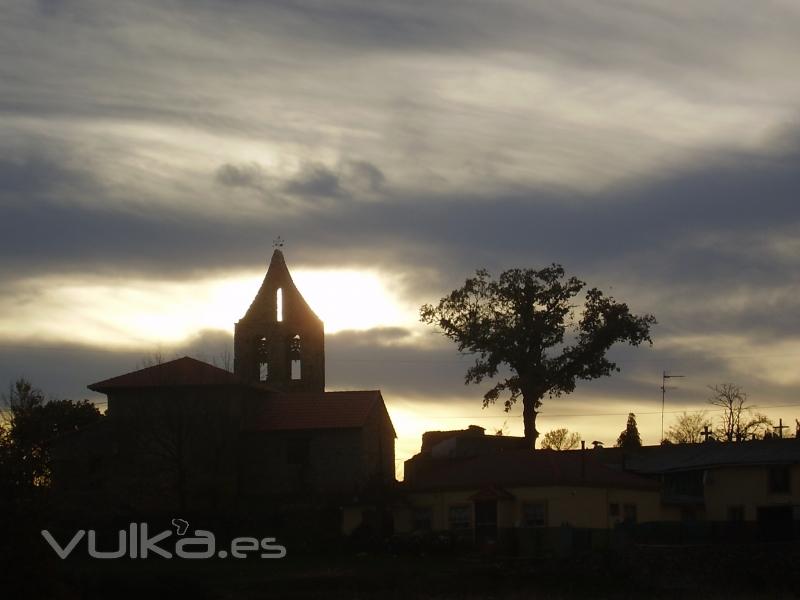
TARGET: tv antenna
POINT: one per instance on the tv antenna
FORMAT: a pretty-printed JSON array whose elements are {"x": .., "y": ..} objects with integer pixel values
[{"x": 664, "y": 377}]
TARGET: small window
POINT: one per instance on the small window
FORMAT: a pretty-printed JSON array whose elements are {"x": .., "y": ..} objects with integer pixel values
[
  {"x": 459, "y": 517},
  {"x": 613, "y": 509},
  {"x": 279, "y": 305},
  {"x": 629, "y": 513},
  {"x": 422, "y": 518},
  {"x": 262, "y": 347},
  {"x": 534, "y": 514},
  {"x": 296, "y": 370},
  {"x": 263, "y": 371},
  {"x": 736, "y": 513},
  {"x": 779, "y": 479}
]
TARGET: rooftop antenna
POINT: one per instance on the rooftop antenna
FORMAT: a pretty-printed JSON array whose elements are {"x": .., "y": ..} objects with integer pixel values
[{"x": 664, "y": 377}]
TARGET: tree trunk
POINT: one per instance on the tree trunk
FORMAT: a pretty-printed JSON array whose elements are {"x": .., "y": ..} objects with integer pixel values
[{"x": 529, "y": 419}]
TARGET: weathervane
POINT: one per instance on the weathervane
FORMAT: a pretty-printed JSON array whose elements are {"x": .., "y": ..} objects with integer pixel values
[{"x": 277, "y": 243}]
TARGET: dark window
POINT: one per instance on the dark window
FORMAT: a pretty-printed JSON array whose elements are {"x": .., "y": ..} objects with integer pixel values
[
  {"x": 297, "y": 451},
  {"x": 779, "y": 479},
  {"x": 736, "y": 513},
  {"x": 629, "y": 513},
  {"x": 422, "y": 517},
  {"x": 534, "y": 514},
  {"x": 613, "y": 509},
  {"x": 459, "y": 517},
  {"x": 689, "y": 483},
  {"x": 294, "y": 346}
]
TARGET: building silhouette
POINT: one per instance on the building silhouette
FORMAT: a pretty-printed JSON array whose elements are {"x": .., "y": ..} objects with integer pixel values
[{"x": 188, "y": 436}]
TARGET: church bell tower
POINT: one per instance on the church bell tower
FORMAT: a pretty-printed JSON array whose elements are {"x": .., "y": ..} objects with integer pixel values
[{"x": 280, "y": 341}]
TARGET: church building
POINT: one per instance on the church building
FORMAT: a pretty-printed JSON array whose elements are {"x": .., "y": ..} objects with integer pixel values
[{"x": 187, "y": 435}]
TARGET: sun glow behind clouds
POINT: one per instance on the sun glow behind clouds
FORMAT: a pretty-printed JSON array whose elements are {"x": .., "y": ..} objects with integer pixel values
[{"x": 136, "y": 313}]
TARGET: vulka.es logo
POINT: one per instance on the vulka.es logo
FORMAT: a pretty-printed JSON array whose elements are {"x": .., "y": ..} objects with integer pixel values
[{"x": 136, "y": 542}]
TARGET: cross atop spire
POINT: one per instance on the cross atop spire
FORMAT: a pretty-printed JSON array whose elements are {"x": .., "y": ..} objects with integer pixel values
[{"x": 277, "y": 243}]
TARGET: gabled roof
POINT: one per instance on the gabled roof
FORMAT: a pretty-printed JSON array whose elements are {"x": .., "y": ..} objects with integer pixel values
[
  {"x": 184, "y": 371},
  {"x": 520, "y": 468},
  {"x": 323, "y": 410}
]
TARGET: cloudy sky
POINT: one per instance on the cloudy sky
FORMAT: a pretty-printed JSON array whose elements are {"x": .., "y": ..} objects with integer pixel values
[{"x": 151, "y": 152}]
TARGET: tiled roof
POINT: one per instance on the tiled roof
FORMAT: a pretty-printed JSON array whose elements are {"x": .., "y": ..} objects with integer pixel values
[
  {"x": 324, "y": 410},
  {"x": 520, "y": 468},
  {"x": 184, "y": 371}
]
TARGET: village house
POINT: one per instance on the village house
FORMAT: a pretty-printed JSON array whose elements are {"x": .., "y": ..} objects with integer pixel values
[
  {"x": 748, "y": 489},
  {"x": 495, "y": 492}
]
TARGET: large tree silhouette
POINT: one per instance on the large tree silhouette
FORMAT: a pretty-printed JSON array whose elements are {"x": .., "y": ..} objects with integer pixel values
[{"x": 526, "y": 321}]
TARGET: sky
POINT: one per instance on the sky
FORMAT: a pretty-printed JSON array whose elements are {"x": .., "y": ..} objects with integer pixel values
[{"x": 150, "y": 153}]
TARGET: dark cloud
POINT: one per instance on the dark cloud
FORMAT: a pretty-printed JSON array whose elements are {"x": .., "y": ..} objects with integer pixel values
[
  {"x": 244, "y": 176},
  {"x": 314, "y": 180},
  {"x": 698, "y": 233},
  {"x": 350, "y": 179}
]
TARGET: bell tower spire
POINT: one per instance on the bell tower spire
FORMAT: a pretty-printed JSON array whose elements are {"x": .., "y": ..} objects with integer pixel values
[{"x": 280, "y": 341}]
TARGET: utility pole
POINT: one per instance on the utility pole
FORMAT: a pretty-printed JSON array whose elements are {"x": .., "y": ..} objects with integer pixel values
[{"x": 664, "y": 377}]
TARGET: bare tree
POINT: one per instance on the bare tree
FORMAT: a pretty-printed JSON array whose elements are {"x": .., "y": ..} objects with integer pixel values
[
  {"x": 739, "y": 421},
  {"x": 560, "y": 439},
  {"x": 223, "y": 359},
  {"x": 688, "y": 428},
  {"x": 151, "y": 359}
]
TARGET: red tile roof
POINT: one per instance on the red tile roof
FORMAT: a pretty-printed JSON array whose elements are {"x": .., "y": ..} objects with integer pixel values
[
  {"x": 519, "y": 468},
  {"x": 325, "y": 410},
  {"x": 184, "y": 371}
]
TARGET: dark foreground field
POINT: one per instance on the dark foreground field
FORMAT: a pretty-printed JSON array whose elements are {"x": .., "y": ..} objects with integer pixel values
[{"x": 753, "y": 571}]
